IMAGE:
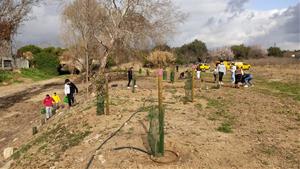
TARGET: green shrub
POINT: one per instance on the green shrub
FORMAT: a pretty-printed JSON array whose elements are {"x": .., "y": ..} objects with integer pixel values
[
  {"x": 30, "y": 48},
  {"x": 225, "y": 128},
  {"x": 35, "y": 74},
  {"x": 110, "y": 62},
  {"x": 46, "y": 62},
  {"x": 5, "y": 75}
]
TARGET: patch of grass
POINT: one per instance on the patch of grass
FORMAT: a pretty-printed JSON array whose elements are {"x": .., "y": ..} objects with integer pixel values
[
  {"x": 6, "y": 75},
  {"x": 35, "y": 74},
  {"x": 213, "y": 103},
  {"x": 57, "y": 139},
  {"x": 220, "y": 114},
  {"x": 172, "y": 90},
  {"x": 24, "y": 148},
  {"x": 73, "y": 139},
  {"x": 269, "y": 150},
  {"x": 280, "y": 89},
  {"x": 226, "y": 127},
  {"x": 199, "y": 106}
]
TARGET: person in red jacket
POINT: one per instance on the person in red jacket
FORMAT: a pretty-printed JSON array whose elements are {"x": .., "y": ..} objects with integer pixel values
[{"x": 48, "y": 103}]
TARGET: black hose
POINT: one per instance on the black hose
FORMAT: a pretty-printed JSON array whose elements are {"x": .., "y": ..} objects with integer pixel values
[
  {"x": 133, "y": 148},
  {"x": 111, "y": 136}
]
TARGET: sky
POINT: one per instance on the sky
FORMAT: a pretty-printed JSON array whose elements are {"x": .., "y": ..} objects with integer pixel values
[{"x": 218, "y": 23}]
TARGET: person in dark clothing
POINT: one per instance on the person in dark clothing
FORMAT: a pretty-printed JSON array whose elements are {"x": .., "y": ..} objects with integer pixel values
[
  {"x": 73, "y": 90},
  {"x": 130, "y": 76},
  {"x": 246, "y": 80},
  {"x": 238, "y": 76},
  {"x": 177, "y": 68}
]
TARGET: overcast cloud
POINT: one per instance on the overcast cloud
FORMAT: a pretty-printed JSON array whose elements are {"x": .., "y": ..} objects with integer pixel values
[{"x": 218, "y": 23}]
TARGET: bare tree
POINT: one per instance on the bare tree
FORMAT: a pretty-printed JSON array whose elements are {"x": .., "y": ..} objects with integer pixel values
[
  {"x": 12, "y": 14},
  {"x": 130, "y": 23},
  {"x": 82, "y": 19},
  {"x": 256, "y": 51}
]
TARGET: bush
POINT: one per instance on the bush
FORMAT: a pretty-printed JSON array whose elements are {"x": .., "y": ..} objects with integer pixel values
[
  {"x": 110, "y": 62},
  {"x": 161, "y": 58},
  {"x": 46, "y": 62},
  {"x": 240, "y": 51},
  {"x": 275, "y": 51},
  {"x": 30, "y": 48},
  {"x": 5, "y": 75},
  {"x": 190, "y": 53}
]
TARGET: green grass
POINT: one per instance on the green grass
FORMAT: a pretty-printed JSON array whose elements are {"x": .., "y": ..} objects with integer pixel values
[
  {"x": 213, "y": 103},
  {"x": 35, "y": 74},
  {"x": 199, "y": 106},
  {"x": 280, "y": 89},
  {"x": 6, "y": 75},
  {"x": 269, "y": 150},
  {"x": 226, "y": 127},
  {"x": 24, "y": 148},
  {"x": 59, "y": 139},
  {"x": 220, "y": 114}
]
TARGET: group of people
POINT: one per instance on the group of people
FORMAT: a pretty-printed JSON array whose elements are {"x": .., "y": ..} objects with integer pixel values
[
  {"x": 238, "y": 76},
  {"x": 52, "y": 103}
]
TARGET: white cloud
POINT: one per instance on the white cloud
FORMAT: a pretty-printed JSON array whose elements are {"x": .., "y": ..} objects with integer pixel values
[
  {"x": 227, "y": 25},
  {"x": 43, "y": 28},
  {"x": 218, "y": 23}
]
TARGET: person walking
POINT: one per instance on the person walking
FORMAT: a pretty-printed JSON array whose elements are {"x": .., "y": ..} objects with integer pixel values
[
  {"x": 48, "y": 103},
  {"x": 177, "y": 68},
  {"x": 57, "y": 101},
  {"x": 73, "y": 90},
  {"x": 67, "y": 91},
  {"x": 222, "y": 72},
  {"x": 130, "y": 76}
]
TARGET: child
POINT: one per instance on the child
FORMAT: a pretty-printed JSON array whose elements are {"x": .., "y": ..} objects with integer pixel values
[
  {"x": 198, "y": 73},
  {"x": 57, "y": 101},
  {"x": 48, "y": 103},
  {"x": 233, "y": 69},
  {"x": 215, "y": 72}
]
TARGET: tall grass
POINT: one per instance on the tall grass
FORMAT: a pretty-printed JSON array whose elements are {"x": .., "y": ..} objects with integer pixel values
[
  {"x": 6, "y": 75},
  {"x": 35, "y": 74}
]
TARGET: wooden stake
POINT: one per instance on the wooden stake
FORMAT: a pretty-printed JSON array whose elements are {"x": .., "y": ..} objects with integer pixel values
[
  {"x": 106, "y": 96},
  {"x": 193, "y": 85}
]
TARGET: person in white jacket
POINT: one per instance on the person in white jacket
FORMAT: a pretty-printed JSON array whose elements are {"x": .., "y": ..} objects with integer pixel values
[
  {"x": 68, "y": 91},
  {"x": 222, "y": 72},
  {"x": 233, "y": 69}
]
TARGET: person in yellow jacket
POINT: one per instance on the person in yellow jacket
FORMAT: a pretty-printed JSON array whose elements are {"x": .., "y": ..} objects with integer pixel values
[{"x": 57, "y": 101}]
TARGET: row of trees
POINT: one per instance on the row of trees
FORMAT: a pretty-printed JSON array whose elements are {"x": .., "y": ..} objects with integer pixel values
[
  {"x": 246, "y": 52},
  {"x": 197, "y": 51}
]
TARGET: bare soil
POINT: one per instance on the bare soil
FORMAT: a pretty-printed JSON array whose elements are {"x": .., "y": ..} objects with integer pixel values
[{"x": 222, "y": 128}]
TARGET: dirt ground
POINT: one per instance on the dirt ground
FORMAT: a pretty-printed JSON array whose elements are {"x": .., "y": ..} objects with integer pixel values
[{"x": 222, "y": 128}]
